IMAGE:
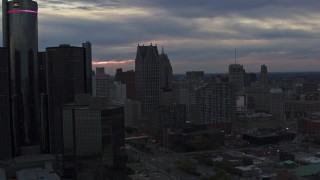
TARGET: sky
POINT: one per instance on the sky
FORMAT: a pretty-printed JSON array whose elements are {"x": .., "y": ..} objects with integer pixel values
[{"x": 196, "y": 34}]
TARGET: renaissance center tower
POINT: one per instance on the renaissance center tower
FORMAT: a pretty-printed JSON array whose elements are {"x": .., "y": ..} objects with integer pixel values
[{"x": 20, "y": 36}]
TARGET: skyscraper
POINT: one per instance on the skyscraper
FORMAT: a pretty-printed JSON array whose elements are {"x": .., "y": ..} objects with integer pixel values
[
  {"x": 20, "y": 36},
  {"x": 88, "y": 66},
  {"x": 264, "y": 76},
  {"x": 66, "y": 77},
  {"x": 165, "y": 71},
  {"x": 237, "y": 76},
  {"x": 147, "y": 77},
  {"x": 5, "y": 128}
]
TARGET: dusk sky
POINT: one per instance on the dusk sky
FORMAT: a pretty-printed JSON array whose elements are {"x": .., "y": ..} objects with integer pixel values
[{"x": 196, "y": 34}]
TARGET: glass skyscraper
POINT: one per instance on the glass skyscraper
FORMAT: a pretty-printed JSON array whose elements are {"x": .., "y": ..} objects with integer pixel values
[{"x": 20, "y": 36}]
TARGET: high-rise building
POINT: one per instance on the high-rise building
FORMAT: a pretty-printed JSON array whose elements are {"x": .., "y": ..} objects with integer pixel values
[
  {"x": 147, "y": 77},
  {"x": 165, "y": 71},
  {"x": 88, "y": 66},
  {"x": 127, "y": 78},
  {"x": 5, "y": 128},
  {"x": 132, "y": 113},
  {"x": 264, "y": 76},
  {"x": 20, "y": 36},
  {"x": 102, "y": 83},
  {"x": 66, "y": 77},
  {"x": 219, "y": 104},
  {"x": 237, "y": 76}
]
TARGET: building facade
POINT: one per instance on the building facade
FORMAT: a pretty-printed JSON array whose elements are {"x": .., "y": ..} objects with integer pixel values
[
  {"x": 20, "y": 36},
  {"x": 5, "y": 128},
  {"x": 127, "y": 78},
  {"x": 147, "y": 77},
  {"x": 237, "y": 76},
  {"x": 66, "y": 77}
]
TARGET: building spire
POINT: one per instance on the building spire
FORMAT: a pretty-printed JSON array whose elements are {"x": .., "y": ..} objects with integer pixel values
[{"x": 162, "y": 50}]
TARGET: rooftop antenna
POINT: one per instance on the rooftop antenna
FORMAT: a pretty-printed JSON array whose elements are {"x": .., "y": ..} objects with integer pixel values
[{"x": 235, "y": 55}]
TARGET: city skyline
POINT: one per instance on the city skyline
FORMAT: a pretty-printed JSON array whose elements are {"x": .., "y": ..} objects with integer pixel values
[{"x": 196, "y": 35}]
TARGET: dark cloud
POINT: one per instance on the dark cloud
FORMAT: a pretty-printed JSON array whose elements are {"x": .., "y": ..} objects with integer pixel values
[{"x": 193, "y": 31}]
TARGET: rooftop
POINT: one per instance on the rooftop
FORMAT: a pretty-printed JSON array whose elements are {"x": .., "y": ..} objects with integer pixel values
[{"x": 308, "y": 170}]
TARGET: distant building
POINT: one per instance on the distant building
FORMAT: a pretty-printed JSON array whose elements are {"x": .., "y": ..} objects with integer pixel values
[
  {"x": 102, "y": 83},
  {"x": 310, "y": 124},
  {"x": 219, "y": 104},
  {"x": 165, "y": 71},
  {"x": 147, "y": 77},
  {"x": 132, "y": 113},
  {"x": 237, "y": 76},
  {"x": 88, "y": 66},
  {"x": 264, "y": 76},
  {"x": 127, "y": 78},
  {"x": 258, "y": 99},
  {"x": 277, "y": 103},
  {"x": 167, "y": 117},
  {"x": 118, "y": 91},
  {"x": 66, "y": 77},
  {"x": 195, "y": 76}
]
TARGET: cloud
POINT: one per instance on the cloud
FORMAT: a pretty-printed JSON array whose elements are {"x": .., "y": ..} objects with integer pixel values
[{"x": 199, "y": 34}]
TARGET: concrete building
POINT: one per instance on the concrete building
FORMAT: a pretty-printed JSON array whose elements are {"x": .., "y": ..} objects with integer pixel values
[{"x": 219, "y": 104}]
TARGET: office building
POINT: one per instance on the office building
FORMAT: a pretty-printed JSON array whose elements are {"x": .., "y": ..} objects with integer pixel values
[
  {"x": 195, "y": 76},
  {"x": 147, "y": 77},
  {"x": 165, "y": 71},
  {"x": 127, "y": 78},
  {"x": 5, "y": 128},
  {"x": 118, "y": 91},
  {"x": 132, "y": 113},
  {"x": 237, "y": 76},
  {"x": 94, "y": 136},
  {"x": 20, "y": 36},
  {"x": 277, "y": 103},
  {"x": 219, "y": 105},
  {"x": 258, "y": 99},
  {"x": 264, "y": 76},
  {"x": 66, "y": 77},
  {"x": 169, "y": 117},
  {"x": 88, "y": 66},
  {"x": 102, "y": 82}
]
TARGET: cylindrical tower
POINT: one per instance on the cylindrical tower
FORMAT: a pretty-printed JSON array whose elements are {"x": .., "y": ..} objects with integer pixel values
[{"x": 21, "y": 37}]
